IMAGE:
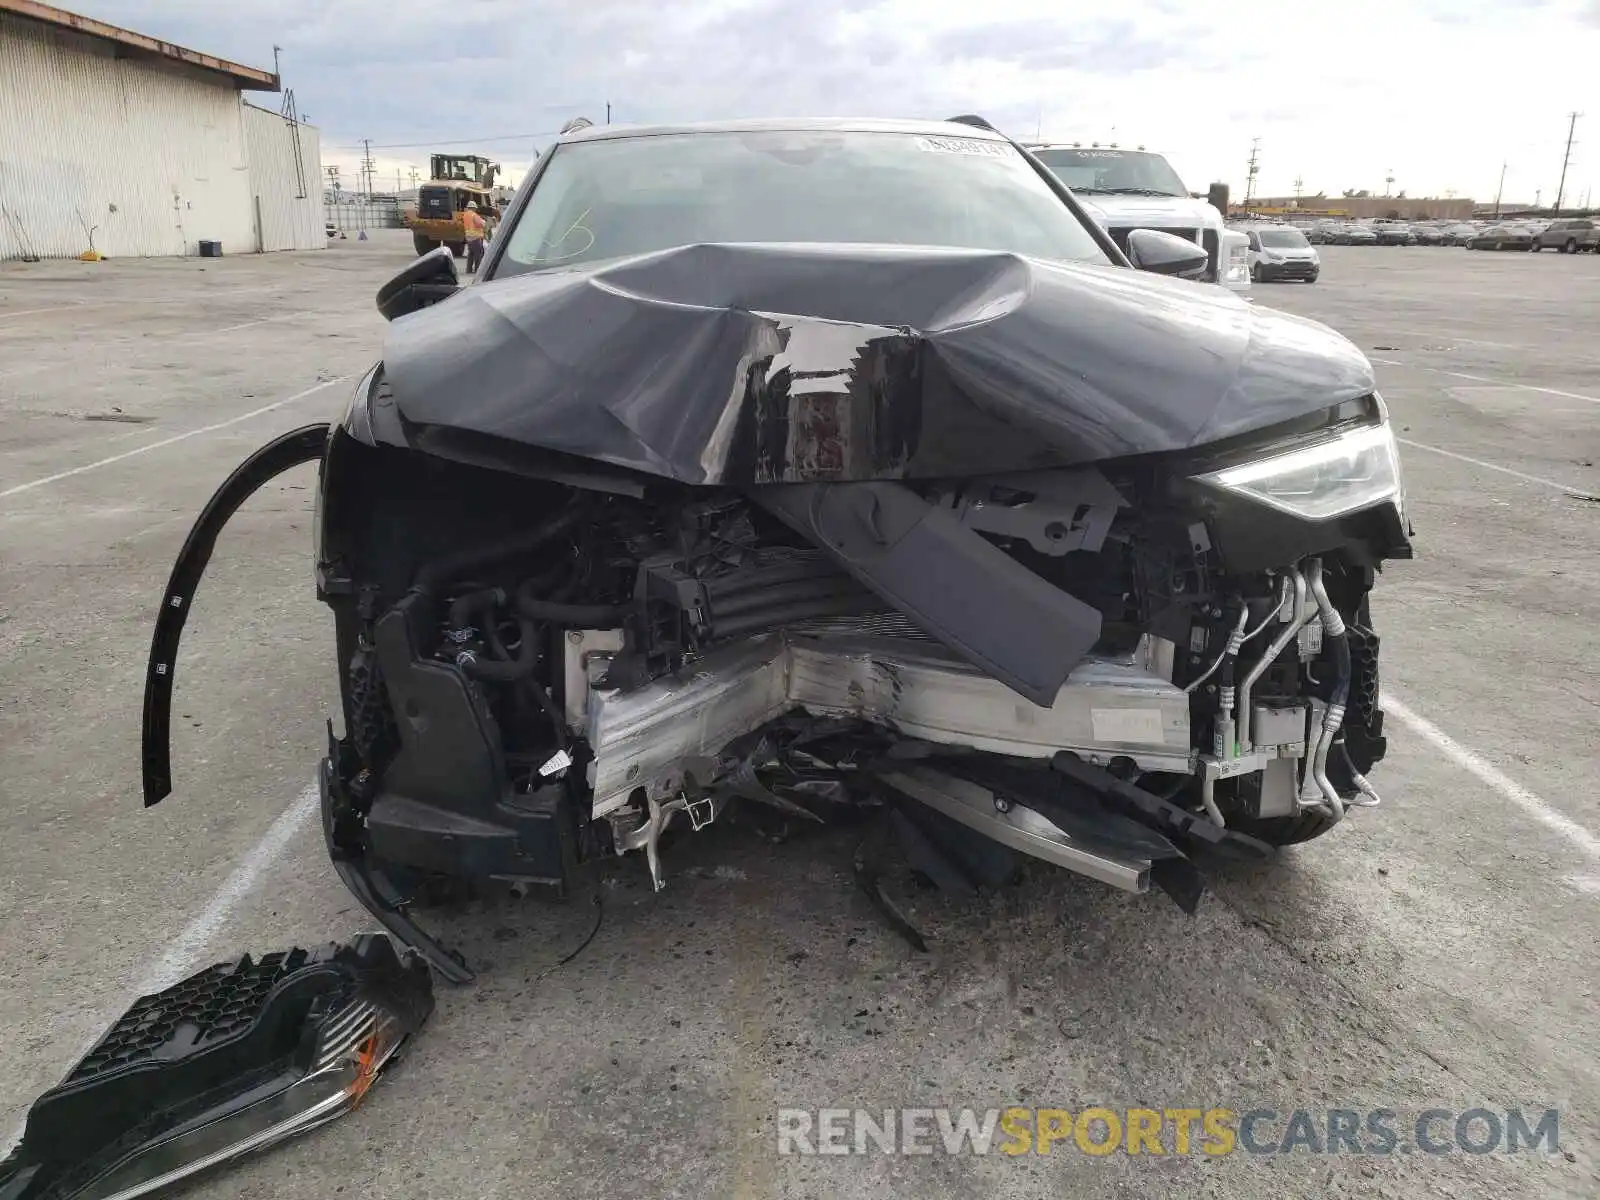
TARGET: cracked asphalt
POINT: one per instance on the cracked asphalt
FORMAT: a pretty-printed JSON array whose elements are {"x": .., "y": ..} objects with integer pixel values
[{"x": 1436, "y": 953}]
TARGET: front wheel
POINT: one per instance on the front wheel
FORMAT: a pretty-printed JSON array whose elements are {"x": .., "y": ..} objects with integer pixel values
[
  {"x": 1255, "y": 273},
  {"x": 422, "y": 244},
  {"x": 1312, "y": 278},
  {"x": 1571, "y": 247}
]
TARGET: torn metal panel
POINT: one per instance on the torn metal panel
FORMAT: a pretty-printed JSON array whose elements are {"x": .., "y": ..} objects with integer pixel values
[
  {"x": 1020, "y": 827},
  {"x": 1106, "y": 709}
]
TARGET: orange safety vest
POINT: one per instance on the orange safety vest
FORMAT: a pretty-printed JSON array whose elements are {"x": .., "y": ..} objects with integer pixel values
[{"x": 474, "y": 225}]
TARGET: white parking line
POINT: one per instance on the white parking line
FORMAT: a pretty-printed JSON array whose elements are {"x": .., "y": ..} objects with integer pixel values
[
  {"x": 1536, "y": 807},
  {"x": 179, "y": 437},
  {"x": 33, "y": 312},
  {"x": 1568, "y": 488},
  {"x": 187, "y": 947},
  {"x": 1505, "y": 383},
  {"x": 1526, "y": 387}
]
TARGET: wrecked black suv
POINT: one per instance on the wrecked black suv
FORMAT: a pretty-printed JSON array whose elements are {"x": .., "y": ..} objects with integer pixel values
[{"x": 820, "y": 466}]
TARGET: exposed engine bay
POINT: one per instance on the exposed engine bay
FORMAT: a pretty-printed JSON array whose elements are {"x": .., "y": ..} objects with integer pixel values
[{"x": 1067, "y": 662}]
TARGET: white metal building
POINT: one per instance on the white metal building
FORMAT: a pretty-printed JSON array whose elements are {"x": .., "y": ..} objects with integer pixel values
[{"x": 121, "y": 143}]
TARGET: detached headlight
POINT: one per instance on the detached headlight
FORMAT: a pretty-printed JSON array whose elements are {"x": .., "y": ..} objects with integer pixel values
[{"x": 1354, "y": 470}]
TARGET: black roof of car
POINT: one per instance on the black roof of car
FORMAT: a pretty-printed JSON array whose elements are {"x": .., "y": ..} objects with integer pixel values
[{"x": 595, "y": 133}]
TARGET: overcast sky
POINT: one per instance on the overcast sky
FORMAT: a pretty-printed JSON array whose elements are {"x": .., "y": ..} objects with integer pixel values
[{"x": 1436, "y": 92}]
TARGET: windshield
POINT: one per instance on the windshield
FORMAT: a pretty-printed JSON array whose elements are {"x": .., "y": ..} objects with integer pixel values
[
  {"x": 615, "y": 198},
  {"x": 1111, "y": 172},
  {"x": 1283, "y": 239}
]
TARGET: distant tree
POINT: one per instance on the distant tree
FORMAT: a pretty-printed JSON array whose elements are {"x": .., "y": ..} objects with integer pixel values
[
  {"x": 1401, "y": 195},
  {"x": 1356, "y": 194}
]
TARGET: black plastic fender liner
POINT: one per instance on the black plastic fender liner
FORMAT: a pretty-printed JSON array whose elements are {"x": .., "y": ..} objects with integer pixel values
[{"x": 277, "y": 456}]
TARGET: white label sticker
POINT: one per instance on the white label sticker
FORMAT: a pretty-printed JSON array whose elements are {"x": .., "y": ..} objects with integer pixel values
[
  {"x": 1138, "y": 725},
  {"x": 960, "y": 145}
]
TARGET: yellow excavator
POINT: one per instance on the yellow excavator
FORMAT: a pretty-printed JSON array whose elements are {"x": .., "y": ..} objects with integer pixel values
[{"x": 455, "y": 180}]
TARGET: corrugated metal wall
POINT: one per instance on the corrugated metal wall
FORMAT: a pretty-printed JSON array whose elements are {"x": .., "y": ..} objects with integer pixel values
[
  {"x": 152, "y": 159},
  {"x": 287, "y": 202}
]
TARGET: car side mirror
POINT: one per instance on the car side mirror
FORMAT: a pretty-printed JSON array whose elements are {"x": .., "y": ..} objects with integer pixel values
[
  {"x": 430, "y": 279},
  {"x": 1166, "y": 254}
]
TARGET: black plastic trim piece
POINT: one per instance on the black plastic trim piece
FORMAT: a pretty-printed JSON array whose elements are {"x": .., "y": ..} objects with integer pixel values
[{"x": 277, "y": 456}]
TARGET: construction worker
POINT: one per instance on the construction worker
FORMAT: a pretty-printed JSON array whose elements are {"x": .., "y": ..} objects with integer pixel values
[{"x": 476, "y": 230}]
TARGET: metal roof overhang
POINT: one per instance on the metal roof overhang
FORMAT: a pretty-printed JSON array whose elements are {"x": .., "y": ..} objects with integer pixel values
[{"x": 247, "y": 79}]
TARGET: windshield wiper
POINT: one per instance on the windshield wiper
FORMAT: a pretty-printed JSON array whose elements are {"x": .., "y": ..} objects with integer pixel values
[{"x": 1133, "y": 191}]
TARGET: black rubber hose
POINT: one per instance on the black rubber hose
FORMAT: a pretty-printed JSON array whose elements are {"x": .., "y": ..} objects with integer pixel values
[
  {"x": 513, "y": 669},
  {"x": 1341, "y": 670},
  {"x": 592, "y": 615},
  {"x": 465, "y": 605},
  {"x": 440, "y": 571},
  {"x": 541, "y": 697}
]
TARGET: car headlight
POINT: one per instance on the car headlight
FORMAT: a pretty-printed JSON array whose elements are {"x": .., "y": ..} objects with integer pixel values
[
  {"x": 1235, "y": 258},
  {"x": 1355, "y": 470},
  {"x": 1271, "y": 257}
]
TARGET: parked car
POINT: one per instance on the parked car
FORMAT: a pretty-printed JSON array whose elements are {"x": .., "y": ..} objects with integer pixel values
[
  {"x": 1460, "y": 234},
  {"x": 1393, "y": 233},
  {"x": 1428, "y": 235},
  {"x": 1569, "y": 235},
  {"x": 1502, "y": 237},
  {"x": 837, "y": 470},
  {"x": 1323, "y": 233},
  {"x": 1281, "y": 252},
  {"x": 1358, "y": 235}
]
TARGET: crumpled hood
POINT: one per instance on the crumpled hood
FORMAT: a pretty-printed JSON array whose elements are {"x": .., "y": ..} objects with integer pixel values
[{"x": 754, "y": 364}]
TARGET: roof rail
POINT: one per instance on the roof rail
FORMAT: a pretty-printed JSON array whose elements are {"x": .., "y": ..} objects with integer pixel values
[
  {"x": 576, "y": 124},
  {"x": 975, "y": 121}
]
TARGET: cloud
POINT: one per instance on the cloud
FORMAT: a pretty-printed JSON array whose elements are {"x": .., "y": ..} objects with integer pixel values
[{"x": 1442, "y": 91}]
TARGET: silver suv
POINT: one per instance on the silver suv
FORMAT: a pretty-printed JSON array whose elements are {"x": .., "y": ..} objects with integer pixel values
[{"x": 1569, "y": 235}]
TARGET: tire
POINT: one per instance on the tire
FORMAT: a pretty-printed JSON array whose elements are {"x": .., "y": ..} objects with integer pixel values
[
  {"x": 422, "y": 244},
  {"x": 1284, "y": 831},
  {"x": 1571, "y": 247},
  {"x": 1255, "y": 273},
  {"x": 1312, "y": 278}
]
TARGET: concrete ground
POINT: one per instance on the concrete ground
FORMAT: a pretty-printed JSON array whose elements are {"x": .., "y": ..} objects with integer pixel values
[{"x": 1438, "y": 952}]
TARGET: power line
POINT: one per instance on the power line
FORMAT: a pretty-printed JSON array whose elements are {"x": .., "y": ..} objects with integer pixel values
[{"x": 1566, "y": 161}]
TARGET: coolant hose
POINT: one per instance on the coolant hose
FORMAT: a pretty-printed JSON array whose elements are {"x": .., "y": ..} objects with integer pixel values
[
  {"x": 589, "y": 616},
  {"x": 507, "y": 670},
  {"x": 1333, "y": 629},
  {"x": 465, "y": 605}
]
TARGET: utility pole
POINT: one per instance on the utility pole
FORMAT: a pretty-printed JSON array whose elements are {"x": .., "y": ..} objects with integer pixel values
[
  {"x": 608, "y": 112},
  {"x": 1566, "y": 160},
  {"x": 1499, "y": 191},
  {"x": 1388, "y": 183},
  {"x": 1251, "y": 170},
  {"x": 1299, "y": 186}
]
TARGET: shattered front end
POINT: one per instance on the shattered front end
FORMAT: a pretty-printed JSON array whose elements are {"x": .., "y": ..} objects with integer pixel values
[
  {"x": 1030, "y": 559},
  {"x": 230, "y": 1061}
]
